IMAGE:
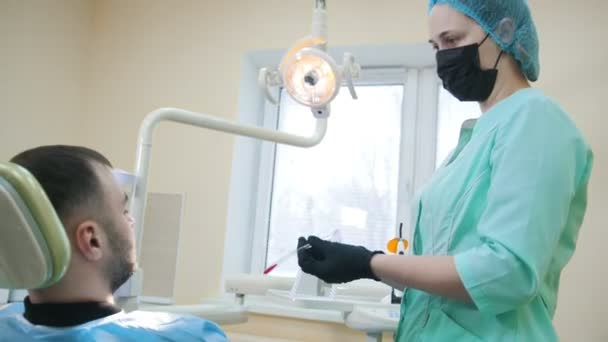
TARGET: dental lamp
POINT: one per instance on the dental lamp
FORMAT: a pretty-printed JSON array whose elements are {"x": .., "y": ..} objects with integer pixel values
[
  {"x": 310, "y": 76},
  {"x": 308, "y": 73}
]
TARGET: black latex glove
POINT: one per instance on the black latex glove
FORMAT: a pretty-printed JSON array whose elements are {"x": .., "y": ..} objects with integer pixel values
[{"x": 335, "y": 262}]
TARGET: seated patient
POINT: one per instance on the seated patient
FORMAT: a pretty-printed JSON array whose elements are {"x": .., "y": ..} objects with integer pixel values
[{"x": 80, "y": 307}]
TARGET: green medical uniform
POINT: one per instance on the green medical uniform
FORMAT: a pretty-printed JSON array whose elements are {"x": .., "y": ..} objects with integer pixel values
[{"x": 507, "y": 204}]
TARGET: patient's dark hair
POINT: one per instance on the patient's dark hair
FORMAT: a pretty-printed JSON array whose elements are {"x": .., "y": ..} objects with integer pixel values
[{"x": 67, "y": 175}]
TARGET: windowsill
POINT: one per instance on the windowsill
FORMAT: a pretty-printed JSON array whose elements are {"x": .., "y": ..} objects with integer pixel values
[
  {"x": 362, "y": 291},
  {"x": 266, "y": 306}
]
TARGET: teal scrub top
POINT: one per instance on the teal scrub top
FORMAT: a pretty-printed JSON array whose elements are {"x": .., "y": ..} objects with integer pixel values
[{"x": 507, "y": 204}]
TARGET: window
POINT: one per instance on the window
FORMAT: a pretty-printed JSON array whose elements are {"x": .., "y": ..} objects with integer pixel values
[
  {"x": 347, "y": 183},
  {"x": 378, "y": 152}
]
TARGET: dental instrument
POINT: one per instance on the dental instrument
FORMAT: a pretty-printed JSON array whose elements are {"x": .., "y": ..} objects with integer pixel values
[
  {"x": 331, "y": 236},
  {"x": 285, "y": 257}
]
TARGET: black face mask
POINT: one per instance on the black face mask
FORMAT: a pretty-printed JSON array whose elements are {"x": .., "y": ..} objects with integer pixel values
[{"x": 459, "y": 69}]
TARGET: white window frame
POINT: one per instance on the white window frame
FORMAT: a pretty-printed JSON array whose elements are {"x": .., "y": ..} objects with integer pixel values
[{"x": 412, "y": 66}]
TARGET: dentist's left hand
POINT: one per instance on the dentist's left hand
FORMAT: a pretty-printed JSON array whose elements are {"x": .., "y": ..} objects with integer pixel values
[{"x": 335, "y": 262}]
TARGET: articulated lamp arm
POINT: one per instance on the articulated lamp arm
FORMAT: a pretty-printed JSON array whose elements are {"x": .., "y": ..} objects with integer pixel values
[{"x": 206, "y": 121}]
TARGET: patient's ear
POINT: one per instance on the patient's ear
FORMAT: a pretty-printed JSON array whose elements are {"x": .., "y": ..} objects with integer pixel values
[{"x": 88, "y": 240}]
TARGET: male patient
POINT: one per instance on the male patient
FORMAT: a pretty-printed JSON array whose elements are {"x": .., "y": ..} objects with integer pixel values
[{"x": 90, "y": 203}]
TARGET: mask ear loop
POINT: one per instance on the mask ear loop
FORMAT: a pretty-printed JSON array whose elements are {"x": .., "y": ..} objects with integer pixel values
[
  {"x": 499, "y": 55},
  {"x": 484, "y": 40},
  {"x": 498, "y": 59}
]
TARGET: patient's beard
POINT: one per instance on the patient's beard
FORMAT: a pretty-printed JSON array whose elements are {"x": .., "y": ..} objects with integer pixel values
[{"x": 119, "y": 268}]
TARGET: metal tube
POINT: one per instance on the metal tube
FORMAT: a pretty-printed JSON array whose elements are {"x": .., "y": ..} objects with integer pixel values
[
  {"x": 144, "y": 148},
  {"x": 319, "y": 20}
]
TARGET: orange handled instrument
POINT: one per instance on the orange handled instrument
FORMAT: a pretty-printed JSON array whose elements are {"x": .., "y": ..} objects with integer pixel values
[{"x": 394, "y": 245}]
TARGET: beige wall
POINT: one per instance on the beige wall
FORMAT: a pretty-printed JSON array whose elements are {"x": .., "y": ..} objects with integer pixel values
[
  {"x": 145, "y": 54},
  {"x": 42, "y": 56}
]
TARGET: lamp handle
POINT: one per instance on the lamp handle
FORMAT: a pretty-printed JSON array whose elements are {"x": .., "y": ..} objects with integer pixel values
[
  {"x": 350, "y": 70},
  {"x": 267, "y": 79}
]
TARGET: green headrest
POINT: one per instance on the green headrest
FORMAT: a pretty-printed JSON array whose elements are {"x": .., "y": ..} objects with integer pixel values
[{"x": 34, "y": 247}]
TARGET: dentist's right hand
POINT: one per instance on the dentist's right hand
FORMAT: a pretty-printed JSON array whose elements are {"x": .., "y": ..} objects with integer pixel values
[{"x": 335, "y": 262}]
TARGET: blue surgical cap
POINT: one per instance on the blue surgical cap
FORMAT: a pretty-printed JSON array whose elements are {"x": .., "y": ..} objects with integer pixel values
[{"x": 509, "y": 23}]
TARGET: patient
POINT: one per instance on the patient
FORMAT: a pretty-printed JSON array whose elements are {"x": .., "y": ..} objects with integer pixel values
[{"x": 93, "y": 209}]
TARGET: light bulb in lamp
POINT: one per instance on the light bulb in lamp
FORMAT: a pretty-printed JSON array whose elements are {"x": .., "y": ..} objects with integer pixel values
[{"x": 311, "y": 77}]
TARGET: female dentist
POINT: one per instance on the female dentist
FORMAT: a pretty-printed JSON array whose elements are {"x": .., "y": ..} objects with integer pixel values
[{"x": 499, "y": 220}]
